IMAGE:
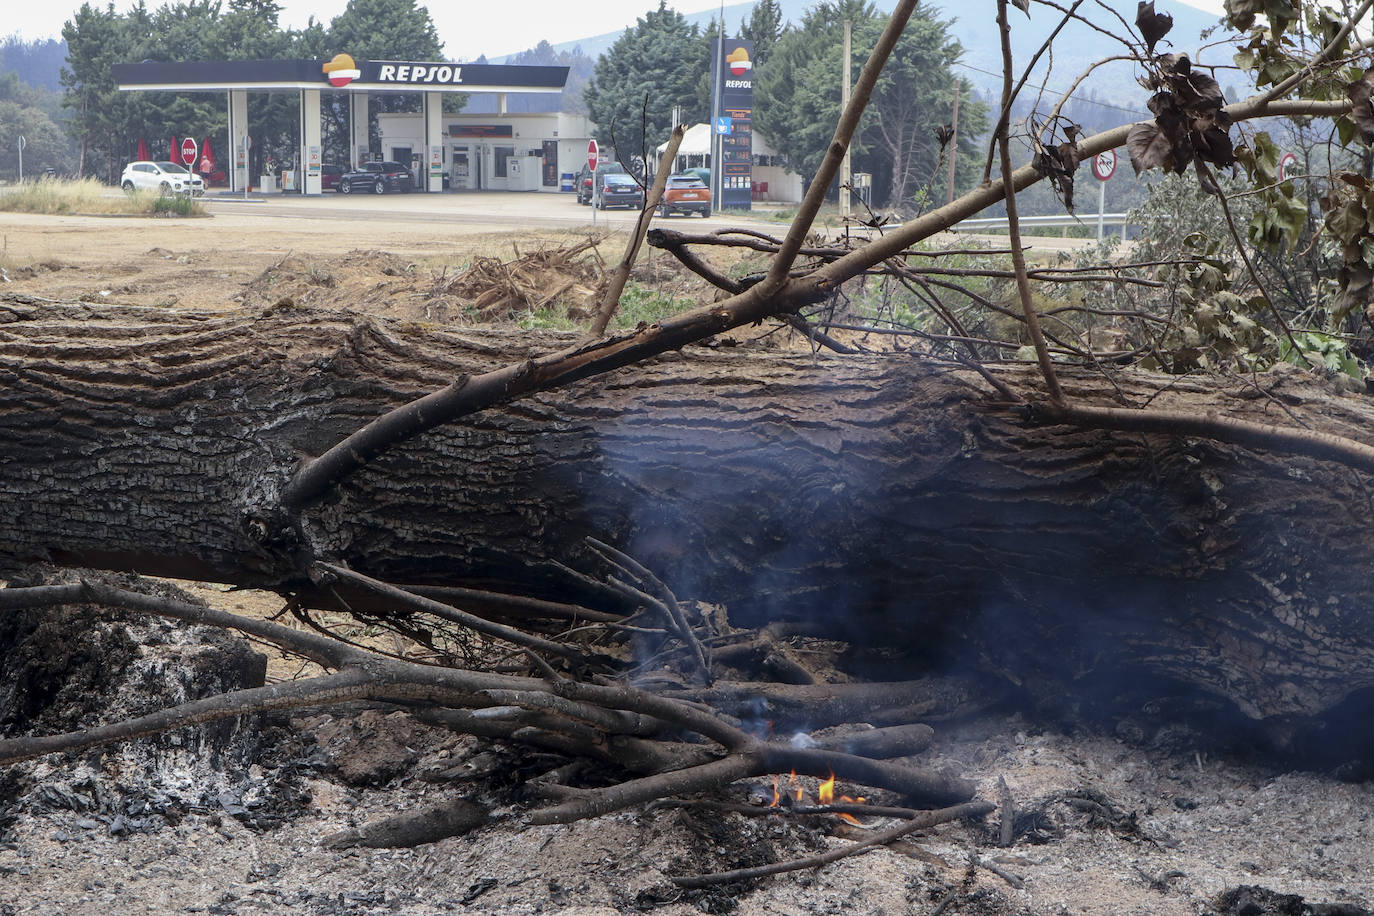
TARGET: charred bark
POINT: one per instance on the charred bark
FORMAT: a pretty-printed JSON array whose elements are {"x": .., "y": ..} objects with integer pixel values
[{"x": 889, "y": 496}]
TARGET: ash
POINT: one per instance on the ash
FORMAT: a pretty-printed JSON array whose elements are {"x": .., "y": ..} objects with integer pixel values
[{"x": 229, "y": 820}]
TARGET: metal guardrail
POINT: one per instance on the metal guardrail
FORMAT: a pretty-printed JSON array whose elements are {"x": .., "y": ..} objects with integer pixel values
[{"x": 1049, "y": 222}]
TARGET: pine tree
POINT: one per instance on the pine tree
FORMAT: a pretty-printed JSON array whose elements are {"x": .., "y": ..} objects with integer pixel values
[{"x": 650, "y": 68}]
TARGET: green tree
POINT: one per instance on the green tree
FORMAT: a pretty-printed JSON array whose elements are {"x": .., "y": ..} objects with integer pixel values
[
  {"x": 913, "y": 99},
  {"x": 100, "y": 113},
  {"x": 650, "y": 68},
  {"x": 386, "y": 30},
  {"x": 799, "y": 98},
  {"x": 45, "y": 144},
  {"x": 763, "y": 28}
]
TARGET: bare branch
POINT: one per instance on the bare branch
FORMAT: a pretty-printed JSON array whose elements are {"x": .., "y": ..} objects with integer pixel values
[{"x": 920, "y": 822}]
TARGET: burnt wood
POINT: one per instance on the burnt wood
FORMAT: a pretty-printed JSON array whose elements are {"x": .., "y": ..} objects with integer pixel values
[{"x": 896, "y": 499}]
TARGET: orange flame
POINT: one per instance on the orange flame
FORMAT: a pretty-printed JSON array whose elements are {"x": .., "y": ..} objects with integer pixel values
[{"x": 825, "y": 795}]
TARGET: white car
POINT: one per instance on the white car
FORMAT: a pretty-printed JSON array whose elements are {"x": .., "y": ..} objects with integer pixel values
[{"x": 165, "y": 177}]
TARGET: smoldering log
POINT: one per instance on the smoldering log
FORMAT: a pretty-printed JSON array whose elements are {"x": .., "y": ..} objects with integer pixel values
[{"x": 893, "y": 498}]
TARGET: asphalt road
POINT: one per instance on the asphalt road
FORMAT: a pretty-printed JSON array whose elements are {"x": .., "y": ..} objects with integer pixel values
[
  {"x": 507, "y": 210},
  {"x": 497, "y": 208}
]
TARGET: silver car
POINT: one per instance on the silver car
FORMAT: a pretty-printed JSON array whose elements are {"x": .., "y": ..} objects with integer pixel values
[{"x": 163, "y": 177}]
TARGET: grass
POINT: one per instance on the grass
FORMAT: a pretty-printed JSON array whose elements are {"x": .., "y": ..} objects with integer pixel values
[
  {"x": 644, "y": 303},
  {"x": 638, "y": 303},
  {"x": 90, "y": 197}
]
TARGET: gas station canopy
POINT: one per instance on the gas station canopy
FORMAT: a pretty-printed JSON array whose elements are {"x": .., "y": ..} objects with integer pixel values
[
  {"x": 372, "y": 75},
  {"x": 341, "y": 73}
]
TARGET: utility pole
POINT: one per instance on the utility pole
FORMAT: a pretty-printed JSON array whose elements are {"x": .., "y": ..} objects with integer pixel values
[
  {"x": 846, "y": 176},
  {"x": 953, "y": 142}
]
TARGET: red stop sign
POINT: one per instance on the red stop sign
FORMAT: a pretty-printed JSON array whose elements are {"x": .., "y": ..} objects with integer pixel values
[
  {"x": 188, "y": 151},
  {"x": 591, "y": 155}
]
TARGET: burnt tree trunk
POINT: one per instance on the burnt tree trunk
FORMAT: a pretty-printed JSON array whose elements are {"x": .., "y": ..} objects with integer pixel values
[{"x": 886, "y": 496}]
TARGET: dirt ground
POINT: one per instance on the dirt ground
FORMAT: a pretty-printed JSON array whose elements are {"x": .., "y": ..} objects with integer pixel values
[
  {"x": 211, "y": 263},
  {"x": 1104, "y": 826}
]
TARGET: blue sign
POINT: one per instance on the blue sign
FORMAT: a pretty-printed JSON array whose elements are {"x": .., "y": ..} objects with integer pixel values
[{"x": 724, "y": 125}]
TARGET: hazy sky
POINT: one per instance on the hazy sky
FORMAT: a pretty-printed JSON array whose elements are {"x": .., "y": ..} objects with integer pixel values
[{"x": 467, "y": 29}]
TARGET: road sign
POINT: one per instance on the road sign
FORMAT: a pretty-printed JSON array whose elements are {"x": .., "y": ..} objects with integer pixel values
[
  {"x": 1104, "y": 165},
  {"x": 188, "y": 151},
  {"x": 1287, "y": 162},
  {"x": 591, "y": 155}
]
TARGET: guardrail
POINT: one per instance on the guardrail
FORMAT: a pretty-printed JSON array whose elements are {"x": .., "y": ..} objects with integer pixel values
[{"x": 1058, "y": 221}]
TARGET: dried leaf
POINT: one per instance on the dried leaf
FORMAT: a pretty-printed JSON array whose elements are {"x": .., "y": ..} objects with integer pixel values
[
  {"x": 1214, "y": 145},
  {"x": 1023, "y": 6},
  {"x": 1153, "y": 26},
  {"x": 1241, "y": 13},
  {"x": 1362, "y": 111},
  {"x": 1176, "y": 64},
  {"x": 1148, "y": 146},
  {"x": 1203, "y": 91}
]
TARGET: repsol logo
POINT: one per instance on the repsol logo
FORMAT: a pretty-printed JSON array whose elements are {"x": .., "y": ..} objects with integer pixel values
[
  {"x": 739, "y": 84},
  {"x": 419, "y": 73}
]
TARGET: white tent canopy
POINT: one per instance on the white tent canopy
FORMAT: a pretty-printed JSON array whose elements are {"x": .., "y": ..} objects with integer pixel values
[{"x": 696, "y": 142}]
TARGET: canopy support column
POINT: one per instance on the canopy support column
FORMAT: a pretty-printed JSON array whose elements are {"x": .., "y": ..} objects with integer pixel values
[
  {"x": 239, "y": 163},
  {"x": 311, "y": 156},
  {"x": 434, "y": 142},
  {"x": 359, "y": 140}
]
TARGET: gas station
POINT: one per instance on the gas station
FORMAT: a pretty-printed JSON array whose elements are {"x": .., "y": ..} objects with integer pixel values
[{"x": 521, "y": 137}]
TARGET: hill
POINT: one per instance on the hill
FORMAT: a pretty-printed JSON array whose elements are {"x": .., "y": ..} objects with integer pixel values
[{"x": 1078, "y": 46}]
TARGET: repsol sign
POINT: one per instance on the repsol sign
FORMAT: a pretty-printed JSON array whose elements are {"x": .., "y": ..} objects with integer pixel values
[
  {"x": 445, "y": 74},
  {"x": 739, "y": 84}
]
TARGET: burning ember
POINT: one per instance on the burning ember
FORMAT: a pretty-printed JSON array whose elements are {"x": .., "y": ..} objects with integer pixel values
[{"x": 825, "y": 795}]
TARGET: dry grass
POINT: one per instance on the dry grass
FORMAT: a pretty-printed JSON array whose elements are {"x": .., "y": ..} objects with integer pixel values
[{"x": 90, "y": 197}]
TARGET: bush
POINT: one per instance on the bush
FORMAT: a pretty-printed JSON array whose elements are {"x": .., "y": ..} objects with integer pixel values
[{"x": 89, "y": 196}]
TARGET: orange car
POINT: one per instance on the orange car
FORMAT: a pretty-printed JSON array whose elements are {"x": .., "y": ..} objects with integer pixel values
[{"x": 685, "y": 194}]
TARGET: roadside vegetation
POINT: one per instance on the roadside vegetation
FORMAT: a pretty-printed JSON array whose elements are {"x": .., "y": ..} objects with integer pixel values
[{"x": 87, "y": 196}]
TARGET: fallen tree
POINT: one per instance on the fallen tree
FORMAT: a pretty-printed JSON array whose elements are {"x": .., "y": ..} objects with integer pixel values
[{"x": 867, "y": 496}]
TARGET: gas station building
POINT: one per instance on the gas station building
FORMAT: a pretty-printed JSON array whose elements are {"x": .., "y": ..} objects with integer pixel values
[{"x": 501, "y": 151}]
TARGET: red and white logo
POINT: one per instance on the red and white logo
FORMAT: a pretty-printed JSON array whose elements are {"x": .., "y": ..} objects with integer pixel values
[
  {"x": 738, "y": 62},
  {"x": 341, "y": 70}
]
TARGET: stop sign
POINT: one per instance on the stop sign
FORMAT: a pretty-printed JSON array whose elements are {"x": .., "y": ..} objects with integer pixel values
[
  {"x": 591, "y": 155},
  {"x": 188, "y": 151}
]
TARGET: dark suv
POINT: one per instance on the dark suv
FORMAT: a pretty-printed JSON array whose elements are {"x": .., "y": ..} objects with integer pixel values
[
  {"x": 377, "y": 177},
  {"x": 617, "y": 189},
  {"x": 584, "y": 186}
]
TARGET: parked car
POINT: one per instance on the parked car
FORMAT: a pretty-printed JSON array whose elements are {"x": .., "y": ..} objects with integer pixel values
[
  {"x": 583, "y": 184},
  {"x": 685, "y": 194},
  {"x": 163, "y": 177},
  {"x": 617, "y": 189},
  {"x": 329, "y": 176},
  {"x": 377, "y": 177}
]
